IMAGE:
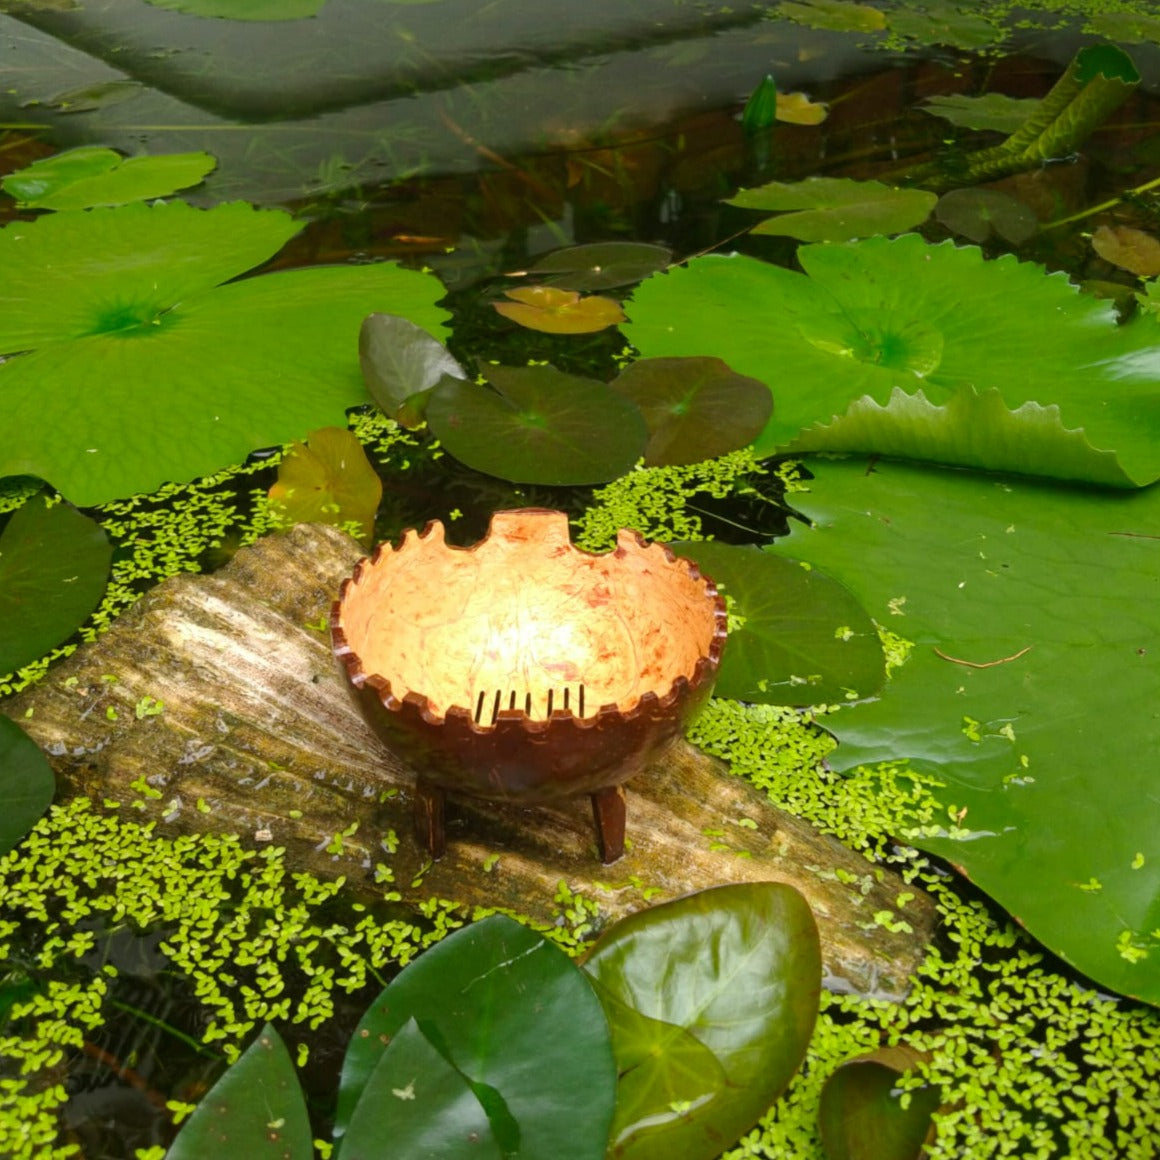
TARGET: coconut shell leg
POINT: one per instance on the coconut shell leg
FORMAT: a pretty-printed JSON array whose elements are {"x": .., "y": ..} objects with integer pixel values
[
  {"x": 429, "y": 827},
  {"x": 608, "y": 814}
]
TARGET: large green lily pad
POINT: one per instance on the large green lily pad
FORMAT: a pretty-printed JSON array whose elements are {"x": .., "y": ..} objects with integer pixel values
[
  {"x": 1033, "y": 691},
  {"x": 872, "y": 317},
  {"x": 143, "y": 368}
]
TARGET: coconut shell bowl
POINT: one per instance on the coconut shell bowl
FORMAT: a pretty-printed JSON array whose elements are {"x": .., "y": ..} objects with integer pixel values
[{"x": 523, "y": 669}]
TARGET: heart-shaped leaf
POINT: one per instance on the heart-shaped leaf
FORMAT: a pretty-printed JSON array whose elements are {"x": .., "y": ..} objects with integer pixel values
[
  {"x": 512, "y": 1014},
  {"x": 93, "y": 175},
  {"x": 796, "y": 637},
  {"x": 26, "y": 784},
  {"x": 255, "y": 1110},
  {"x": 695, "y": 408},
  {"x": 977, "y": 214},
  {"x": 601, "y": 266},
  {"x": 415, "y": 1103},
  {"x": 864, "y": 1116},
  {"x": 400, "y": 360},
  {"x": 329, "y": 480},
  {"x": 835, "y": 209},
  {"x": 538, "y": 425},
  {"x": 737, "y": 967},
  {"x": 54, "y": 564},
  {"x": 557, "y": 311}
]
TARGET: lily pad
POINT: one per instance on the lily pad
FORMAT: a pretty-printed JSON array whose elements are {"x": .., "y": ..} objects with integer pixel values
[
  {"x": 512, "y": 1014},
  {"x": 26, "y": 784},
  {"x": 796, "y": 637},
  {"x": 255, "y": 1110},
  {"x": 977, "y": 214},
  {"x": 739, "y": 969},
  {"x": 945, "y": 22},
  {"x": 695, "y": 408},
  {"x": 1129, "y": 249},
  {"x": 601, "y": 266},
  {"x": 329, "y": 480},
  {"x": 538, "y": 425},
  {"x": 862, "y": 1115},
  {"x": 1031, "y": 692},
  {"x": 416, "y": 1103},
  {"x": 835, "y": 209},
  {"x": 798, "y": 109},
  {"x": 261, "y": 10},
  {"x": 93, "y": 175},
  {"x": 835, "y": 15},
  {"x": 145, "y": 369},
  {"x": 867, "y": 318},
  {"x": 54, "y": 565},
  {"x": 991, "y": 111},
  {"x": 556, "y": 311},
  {"x": 400, "y": 361}
]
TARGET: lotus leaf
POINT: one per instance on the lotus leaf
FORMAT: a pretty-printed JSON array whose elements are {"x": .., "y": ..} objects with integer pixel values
[
  {"x": 559, "y": 311},
  {"x": 736, "y": 967},
  {"x": 26, "y": 784},
  {"x": 796, "y": 636},
  {"x": 862, "y": 1115},
  {"x": 54, "y": 564},
  {"x": 538, "y": 425},
  {"x": 835, "y": 209},
  {"x": 145, "y": 369},
  {"x": 600, "y": 266},
  {"x": 867, "y": 318},
  {"x": 695, "y": 408},
  {"x": 990, "y": 111},
  {"x": 1128, "y": 248},
  {"x": 255, "y": 1110},
  {"x": 93, "y": 175},
  {"x": 511, "y": 1014},
  {"x": 329, "y": 480},
  {"x": 1032, "y": 691}
]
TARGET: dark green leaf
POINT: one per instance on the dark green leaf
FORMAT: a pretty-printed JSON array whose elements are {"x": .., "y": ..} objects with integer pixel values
[
  {"x": 255, "y": 1110},
  {"x": 54, "y": 564},
  {"x": 864, "y": 1116},
  {"x": 835, "y": 209},
  {"x": 694, "y": 408},
  {"x": 601, "y": 266},
  {"x": 978, "y": 213},
  {"x": 400, "y": 359},
  {"x": 945, "y": 22},
  {"x": 512, "y": 1014},
  {"x": 93, "y": 175},
  {"x": 416, "y": 1104},
  {"x": 836, "y": 15},
  {"x": 1031, "y": 693},
  {"x": 538, "y": 425},
  {"x": 737, "y": 967},
  {"x": 26, "y": 784},
  {"x": 796, "y": 637}
]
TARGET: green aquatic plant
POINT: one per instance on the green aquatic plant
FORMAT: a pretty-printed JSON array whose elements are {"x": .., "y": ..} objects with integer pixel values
[{"x": 181, "y": 374}]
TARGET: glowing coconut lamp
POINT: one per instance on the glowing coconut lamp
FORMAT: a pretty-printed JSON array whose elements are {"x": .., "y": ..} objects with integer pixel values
[{"x": 524, "y": 669}]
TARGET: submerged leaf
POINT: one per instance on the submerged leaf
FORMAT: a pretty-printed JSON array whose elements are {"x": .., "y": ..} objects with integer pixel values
[
  {"x": 54, "y": 564},
  {"x": 695, "y": 408},
  {"x": 255, "y": 1110},
  {"x": 836, "y": 208},
  {"x": 329, "y": 480},
  {"x": 990, "y": 111},
  {"x": 93, "y": 175},
  {"x": 602, "y": 265},
  {"x": 559, "y": 311},
  {"x": 796, "y": 637},
  {"x": 978, "y": 213},
  {"x": 1130, "y": 249},
  {"x": 538, "y": 425},
  {"x": 26, "y": 784},
  {"x": 737, "y": 968},
  {"x": 1031, "y": 693}
]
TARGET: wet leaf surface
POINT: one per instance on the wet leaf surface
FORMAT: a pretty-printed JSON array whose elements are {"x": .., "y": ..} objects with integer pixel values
[
  {"x": 256, "y": 1109},
  {"x": 1032, "y": 691},
  {"x": 695, "y": 408},
  {"x": 796, "y": 637},
  {"x": 27, "y": 784},
  {"x": 556, "y": 311},
  {"x": 835, "y": 15},
  {"x": 400, "y": 360},
  {"x": 54, "y": 564},
  {"x": 737, "y": 968},
  {"x": 494, "y": 999},
  {"x": 978, "y": 214},
  {"x": 538, "y": 425},
  {"x": 601, "y": 266}
]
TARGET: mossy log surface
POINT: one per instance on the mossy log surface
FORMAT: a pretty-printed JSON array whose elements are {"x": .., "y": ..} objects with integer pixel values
[{"x": 259, "y": 736}]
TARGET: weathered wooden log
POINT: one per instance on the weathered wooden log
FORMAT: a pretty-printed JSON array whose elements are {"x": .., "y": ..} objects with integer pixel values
[{"x": 218, "y": 698}]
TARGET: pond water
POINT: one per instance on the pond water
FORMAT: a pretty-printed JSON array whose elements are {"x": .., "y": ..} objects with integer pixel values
[{"x": 472, "y": 139}]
